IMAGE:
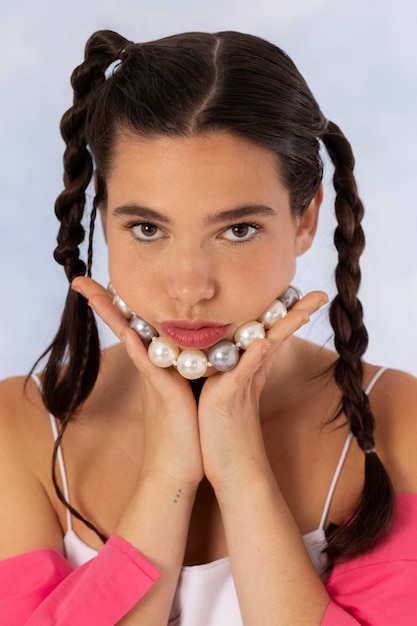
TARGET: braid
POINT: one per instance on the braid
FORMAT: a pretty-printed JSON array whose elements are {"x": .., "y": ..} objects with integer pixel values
[
  {"x": 375, "y": 509},
  {"x": 157, "y": 90},
  {"x": 74, "y": 356}
]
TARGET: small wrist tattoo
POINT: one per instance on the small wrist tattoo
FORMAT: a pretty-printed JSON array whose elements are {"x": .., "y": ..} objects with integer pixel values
[{"x": 177, "y": 497}]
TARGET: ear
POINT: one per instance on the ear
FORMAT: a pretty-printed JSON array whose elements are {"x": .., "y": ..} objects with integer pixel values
[{"x": 307, "y": 224}]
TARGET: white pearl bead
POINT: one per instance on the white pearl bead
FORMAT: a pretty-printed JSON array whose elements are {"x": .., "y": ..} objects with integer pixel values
[
  {"x": 247, "y": 333},
  {"x": 162, "y": 352},
  {"x": 223, "y": 356},
  {"x": 192, "y": 364},
  {"x": 145, "y": 331},
  {"x": 274, "y": 312},
  {"x": 122, "y": 307}
]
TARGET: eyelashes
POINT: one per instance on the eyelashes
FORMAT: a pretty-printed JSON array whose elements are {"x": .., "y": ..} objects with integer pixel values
[
  {"x": 148, "y": 232},
  {"x": 241, "y": 233}
]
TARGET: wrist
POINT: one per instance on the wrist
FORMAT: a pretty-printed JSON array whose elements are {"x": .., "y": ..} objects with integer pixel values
[
  {"x": 252, "y": 479},
  {"x": 171, "y": 472},
  {"x": 157, "y": 518},
  {"x": 167, "y": 484}
]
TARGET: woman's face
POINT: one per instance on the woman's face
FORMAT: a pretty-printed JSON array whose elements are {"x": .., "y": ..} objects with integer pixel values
[{"x": 200, "y": 234}]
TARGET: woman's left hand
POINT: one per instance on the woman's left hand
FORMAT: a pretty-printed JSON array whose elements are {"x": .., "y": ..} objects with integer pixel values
[{"x": 230, "y": 429}]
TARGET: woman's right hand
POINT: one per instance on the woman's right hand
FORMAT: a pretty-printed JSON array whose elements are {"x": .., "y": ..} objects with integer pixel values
[
  {"x": 157, "y": 515},
  {"x": 165, "y": 400}
]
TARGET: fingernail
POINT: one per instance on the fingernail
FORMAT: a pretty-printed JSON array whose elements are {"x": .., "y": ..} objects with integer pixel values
[{"x": 266, "y": 347}]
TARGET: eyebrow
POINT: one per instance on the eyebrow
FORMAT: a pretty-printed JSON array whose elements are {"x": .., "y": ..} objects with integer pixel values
[
  {"x": 141, "y": 212},
  {"x": 241, "y": 212},
  {"x": 229, "y": 215}
]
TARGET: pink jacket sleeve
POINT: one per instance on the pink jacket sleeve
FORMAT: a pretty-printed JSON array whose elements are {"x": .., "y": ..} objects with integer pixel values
[
  {"x": 41, "y": 588},
  {"x": 379, "y": 588}
]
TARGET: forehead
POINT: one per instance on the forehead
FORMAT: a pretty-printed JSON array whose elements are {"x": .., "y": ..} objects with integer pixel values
[{"x": 215, "y": 167}]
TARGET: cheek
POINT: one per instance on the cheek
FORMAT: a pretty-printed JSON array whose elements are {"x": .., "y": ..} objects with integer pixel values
[
  {"x": 263, "y": 279},
  {"x": 119, "y": 263},
  {"x": 277, "y": 268},
  {"x": 130, "y": 277},
  {"x": 135, "y": 287}
]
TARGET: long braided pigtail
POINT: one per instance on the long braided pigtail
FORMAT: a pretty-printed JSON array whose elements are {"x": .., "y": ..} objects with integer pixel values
[
  {"x": 376, "y": 506},
  {"x": 72, "y": 366},
  {"x": 74, "y": 354}
]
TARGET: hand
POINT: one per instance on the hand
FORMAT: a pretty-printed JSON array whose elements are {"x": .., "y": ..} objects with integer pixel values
[
  {"x": 230, "y": 430},
  {"x": 165, "y": 400}
]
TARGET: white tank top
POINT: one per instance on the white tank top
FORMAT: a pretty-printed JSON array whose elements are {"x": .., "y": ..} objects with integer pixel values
[{"x": 206, "y": 594}]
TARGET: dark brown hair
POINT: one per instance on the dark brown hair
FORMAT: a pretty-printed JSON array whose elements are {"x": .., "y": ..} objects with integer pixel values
[{"x": 191, "y": 84}]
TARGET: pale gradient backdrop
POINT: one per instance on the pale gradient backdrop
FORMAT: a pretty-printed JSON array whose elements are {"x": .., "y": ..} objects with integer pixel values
[{"x": 360, "y": 59}]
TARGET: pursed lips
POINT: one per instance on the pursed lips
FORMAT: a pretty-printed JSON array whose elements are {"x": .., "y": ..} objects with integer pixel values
[{"x": 198, "y": 334}]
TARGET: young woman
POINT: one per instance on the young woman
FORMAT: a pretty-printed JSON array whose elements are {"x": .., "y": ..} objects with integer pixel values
[{"x": 210, "y": 468}]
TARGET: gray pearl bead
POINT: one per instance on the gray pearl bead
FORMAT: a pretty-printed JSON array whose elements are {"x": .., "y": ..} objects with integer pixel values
[
  {"x": 145, "y": 331},
  {"x": 111, "y": 290},
  {"x": 290, "y": 297},
  {"x": 223, "y": 356}
]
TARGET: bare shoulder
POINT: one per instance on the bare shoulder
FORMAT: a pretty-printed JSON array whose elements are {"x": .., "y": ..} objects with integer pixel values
[
  {"x": 394, "y": 405},
  {"x": 23, "y": 416},
  {"x": 27, "y": 517},
  {"x": 20, "y": 406}
]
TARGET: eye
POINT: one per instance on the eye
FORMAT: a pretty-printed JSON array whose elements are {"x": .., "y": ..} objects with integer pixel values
[
  {"x": 241, "y": 232},
  {"x": 146, "y": 231}
]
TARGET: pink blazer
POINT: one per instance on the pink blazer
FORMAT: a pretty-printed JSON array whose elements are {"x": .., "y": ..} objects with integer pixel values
[{"x": 41, "y": 588}]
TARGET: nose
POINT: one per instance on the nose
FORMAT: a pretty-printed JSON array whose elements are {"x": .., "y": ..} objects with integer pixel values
[{"x": 191, "y": 277}]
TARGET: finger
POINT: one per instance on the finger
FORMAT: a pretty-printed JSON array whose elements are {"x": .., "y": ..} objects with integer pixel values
[
  {"x": 249, "y": 363},
  {"x": 311, "y": 302},
  {"x": 297, "y": 316},
  {"x": 101, "y": 302},
  {"x": 87, "y": 287},
  {"x": 138, "y": 354},
  {"x": 259, "y": 352},
  {"x": 166, "y": 383},
  {"x": 252, "y": 360}
]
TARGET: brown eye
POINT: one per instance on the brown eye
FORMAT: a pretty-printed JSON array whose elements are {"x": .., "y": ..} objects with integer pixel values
[
  {"x": 241, "y": 232},
  {"x": 147, "y": 231}
]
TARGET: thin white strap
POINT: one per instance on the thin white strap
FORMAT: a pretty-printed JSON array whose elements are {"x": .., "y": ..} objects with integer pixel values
[
  {"x": 60, "y": 458},
  {"x": 343, "y": 456},
  {"x": 334, "y": 480},
  {"x": 375, "y": 379}
]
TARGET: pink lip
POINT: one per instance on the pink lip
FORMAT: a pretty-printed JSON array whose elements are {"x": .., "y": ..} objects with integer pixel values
[{"x": 198, "y": 334}]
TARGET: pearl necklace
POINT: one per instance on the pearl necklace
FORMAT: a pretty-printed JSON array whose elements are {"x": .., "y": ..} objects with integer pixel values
[{"x": 223, "y": 355}]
